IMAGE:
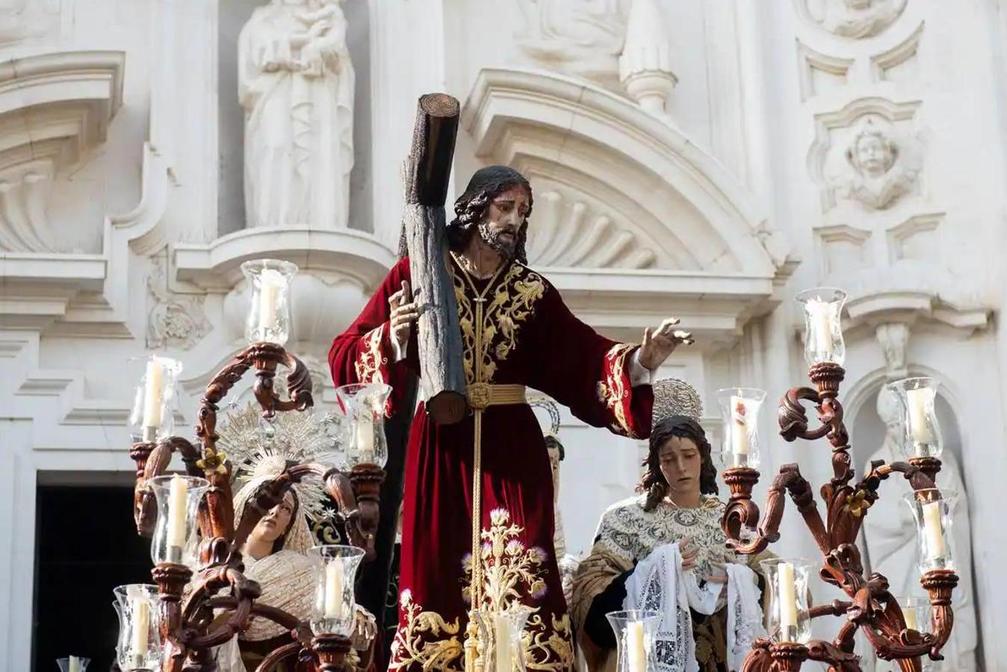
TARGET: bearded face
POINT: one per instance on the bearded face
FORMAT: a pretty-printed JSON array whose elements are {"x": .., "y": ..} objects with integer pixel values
[{"x": 504, "y": 220}]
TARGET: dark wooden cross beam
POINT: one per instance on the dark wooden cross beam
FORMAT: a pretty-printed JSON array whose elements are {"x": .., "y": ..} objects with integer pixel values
[{"x": 428, "y": 169}]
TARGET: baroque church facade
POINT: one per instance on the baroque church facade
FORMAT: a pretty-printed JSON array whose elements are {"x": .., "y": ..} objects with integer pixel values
[{"x": 706, "y": 160}]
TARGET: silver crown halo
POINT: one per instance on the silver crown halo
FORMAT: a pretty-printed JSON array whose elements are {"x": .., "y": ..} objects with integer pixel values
[
  {"x": 673, "y": 396},
  {"x": 260, "y": 450}
]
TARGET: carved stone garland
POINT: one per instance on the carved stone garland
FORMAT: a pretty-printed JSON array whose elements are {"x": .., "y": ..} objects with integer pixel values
[
  {"x": 871, "y": 607},
  {"x": 186, "y": 619}
]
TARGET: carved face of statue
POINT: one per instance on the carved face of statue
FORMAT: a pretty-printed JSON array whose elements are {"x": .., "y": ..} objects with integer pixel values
[
  {"x": 680, "y": 463},
  {"x": 275, "y": 524},
  {"x": 504, "y": 219},
  {"x": 872, "y": 154},
  {"x": 554, "y": 451}
]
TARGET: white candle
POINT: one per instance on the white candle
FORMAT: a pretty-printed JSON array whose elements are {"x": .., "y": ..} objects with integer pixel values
[
  {"x": 909, "y": 614},
  {"x": 739, "y": 427},
  {"x": 636, "y": 648},
  {"x": 270, "y": 284},
  {"x": 333, "y": 607},
  {"x": 177, "y": 495},
  {"x": 788, "y": 599},
  {"x": 141, "y": 622},
  {"x": 820, "y": 317},
  {"x": 74, "y": 664},
  {"x": 504, "y": 634},
  {"x": 933, "y": 531},
  {"x": 919, "y": 401},
  {"x": 152, "y": 396}
]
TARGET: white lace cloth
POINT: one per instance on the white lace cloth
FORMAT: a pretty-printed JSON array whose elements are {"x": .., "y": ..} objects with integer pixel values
[{"x": 658, "y": 583}]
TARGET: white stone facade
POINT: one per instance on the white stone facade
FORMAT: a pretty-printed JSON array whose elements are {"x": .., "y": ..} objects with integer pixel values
[{"x": 736, "y": 153}]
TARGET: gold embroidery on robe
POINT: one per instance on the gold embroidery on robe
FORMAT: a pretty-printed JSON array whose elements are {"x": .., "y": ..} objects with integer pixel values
[
  {"x": 512, "y": 303},
  {"x": 613, "y": 391},
  {"x": 370, "y": 359},
  {"x": 548, "y": 648},
  {"x": 425, "y": 639},
  {"x": 510, "y": 568},
  {"x": 507, "y": 564}
]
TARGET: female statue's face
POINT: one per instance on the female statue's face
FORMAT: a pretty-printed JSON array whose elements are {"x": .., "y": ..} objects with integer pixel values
[
  {"x": 274, "y": 524},
  {"x": 680, "y": 463},
  {"x": 503, "y": 220}
]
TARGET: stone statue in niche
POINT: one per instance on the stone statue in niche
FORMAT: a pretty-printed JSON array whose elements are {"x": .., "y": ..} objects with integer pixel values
[
  {"x": 890, "y": 540},
  {"x": 855, "y": 18},
  {"x": 295, "y": 83},
  {"x": 876, "y": 166},
  {"x": 582, "y": 38}
]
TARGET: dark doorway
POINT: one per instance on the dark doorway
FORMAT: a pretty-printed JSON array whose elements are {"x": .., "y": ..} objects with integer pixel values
[{"x": 85, "y": 545}]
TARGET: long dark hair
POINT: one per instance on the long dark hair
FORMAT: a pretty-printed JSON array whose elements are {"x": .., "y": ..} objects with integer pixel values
[
  {"x": 653, "y": 482},
  {"x": 470, "y": 208}
]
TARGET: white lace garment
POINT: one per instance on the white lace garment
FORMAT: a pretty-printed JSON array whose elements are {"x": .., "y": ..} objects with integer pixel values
[{"x": 658, "y": 583}]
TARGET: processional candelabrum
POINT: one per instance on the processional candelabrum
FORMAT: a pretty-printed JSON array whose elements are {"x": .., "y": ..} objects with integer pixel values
[
  {"x": 871, "y": 608},
  {"x": 202, "y": 598}
]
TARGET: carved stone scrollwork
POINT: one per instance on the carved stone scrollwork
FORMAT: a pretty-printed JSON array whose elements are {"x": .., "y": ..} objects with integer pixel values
[
  {"x": 174, "y": 321},
  {"x": 24, "y": 199},
  {"x": 586, "y": 232}
]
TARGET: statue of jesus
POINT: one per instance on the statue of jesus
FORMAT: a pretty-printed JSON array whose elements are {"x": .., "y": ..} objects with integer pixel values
[{"x": 516, "y": 333}]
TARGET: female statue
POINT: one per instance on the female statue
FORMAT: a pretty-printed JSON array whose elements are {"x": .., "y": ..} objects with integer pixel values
[
  {"x": 275, "y": 553},
  {"x": 295, "y": 82},
  {"x": 664, "y": 549}
]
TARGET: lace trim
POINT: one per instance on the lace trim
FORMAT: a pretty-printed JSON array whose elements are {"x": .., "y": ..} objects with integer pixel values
[{"x": 632, "y": 533}]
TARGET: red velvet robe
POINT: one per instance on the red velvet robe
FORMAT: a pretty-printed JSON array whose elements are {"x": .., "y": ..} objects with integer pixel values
[{"x": 530, "y": 338}]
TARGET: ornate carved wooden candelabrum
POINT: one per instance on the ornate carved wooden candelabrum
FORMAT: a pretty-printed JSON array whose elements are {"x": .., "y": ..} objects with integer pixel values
[
  {"x": 204, "y": 598},
  {"x": 870, "y": 608}
]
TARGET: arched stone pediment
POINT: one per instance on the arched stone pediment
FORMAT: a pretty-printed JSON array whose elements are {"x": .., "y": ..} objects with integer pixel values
[
  {"x": 669, "y": 192},
  {"x": 625, "y": 191}
]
